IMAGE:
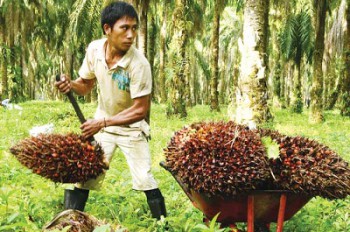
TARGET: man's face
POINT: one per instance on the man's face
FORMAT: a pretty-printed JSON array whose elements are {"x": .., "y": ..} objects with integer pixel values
[{"x": 121, "y": 36}]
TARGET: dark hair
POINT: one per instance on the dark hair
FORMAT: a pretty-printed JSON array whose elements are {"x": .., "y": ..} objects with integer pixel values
[{"x": 116, "y": 10}]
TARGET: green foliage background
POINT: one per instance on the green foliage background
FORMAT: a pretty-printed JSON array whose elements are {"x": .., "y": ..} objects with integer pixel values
[{"x": 28, "y": 202}]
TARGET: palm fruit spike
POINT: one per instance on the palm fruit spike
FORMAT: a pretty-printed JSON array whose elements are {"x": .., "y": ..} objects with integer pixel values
[
  {"x": 61, "y": 158},
  {"x": 218, "y": 158},
  {"x": 306, "y": 166}
]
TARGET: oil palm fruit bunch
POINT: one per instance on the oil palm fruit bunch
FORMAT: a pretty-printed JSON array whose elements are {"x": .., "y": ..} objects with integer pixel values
[
  {"x": 226, "y": 159},
  {"x": 77, "y": 221},
  {"x": 74, "y": 221},
  {"x": 307, "y": 166},
  {"x": 61, "y": 158},
  {"x": 218, "y": 158}
]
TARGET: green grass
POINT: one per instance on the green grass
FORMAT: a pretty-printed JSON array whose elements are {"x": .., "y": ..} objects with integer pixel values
[{"x": 28, "y": 201}]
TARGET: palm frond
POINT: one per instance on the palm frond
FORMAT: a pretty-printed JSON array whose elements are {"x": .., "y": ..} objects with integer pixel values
[
  {"x": 286, "y": 38},
  {"x": 195, "y": 15},
  {"x": 306, "y": 29},
  {"x": 296, "y": 36},
  {"x": 84, "y": 20},
  {"x": 203, "y": 63}
]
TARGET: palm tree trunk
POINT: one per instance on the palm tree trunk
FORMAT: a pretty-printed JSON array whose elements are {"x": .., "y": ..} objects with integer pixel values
[
  {"x": 223, "y": 84},
  {"x": 345, "y": 108},
  {"x": 297, "y": 103},
  {"x": 3, "y": 60},
  {"x": 162, "y": 45},
  {"x": 187, "y": 73},
  {"x": 214, "y": 67},
  {"x": 10, "y": 21},
  {"x": 334, "y": 93},
  {"x": 178, "y": 60},
  {"x": 152, "y": 51},
  {"x": 24, "y": 60},
  {"x": 68, "y": 59},
  {"x": 316, "y": 115},
  {"x": 193, "y": 80},
  {"x": 17, "y": 53},
  {"x": 278, "y": 82},
  {"x": 142, "y": 38},
  {"x": 283, "y": 78},
  {"x": 252, "y": 107},
  {"x": 31, "y": 74},
  {"x": 234, "y": 78}
]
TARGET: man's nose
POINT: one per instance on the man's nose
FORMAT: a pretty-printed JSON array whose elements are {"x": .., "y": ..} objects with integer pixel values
[{"x": 131, "y": 33}]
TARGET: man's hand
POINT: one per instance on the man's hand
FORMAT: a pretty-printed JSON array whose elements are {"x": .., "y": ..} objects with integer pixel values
[
  {"x": 91, "y": 127},
  {"x": 64, "y": 85}
]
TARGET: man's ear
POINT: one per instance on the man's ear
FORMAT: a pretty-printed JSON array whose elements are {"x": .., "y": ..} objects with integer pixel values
[{"x": 107, "y": 29}]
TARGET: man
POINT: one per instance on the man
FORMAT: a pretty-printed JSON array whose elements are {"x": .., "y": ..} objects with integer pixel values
[{"x": 124, "y": 79}]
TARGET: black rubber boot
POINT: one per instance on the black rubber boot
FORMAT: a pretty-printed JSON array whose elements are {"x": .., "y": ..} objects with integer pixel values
[
  {"x": 75, "y": 199},
  {"x": 156, "y": 203}
]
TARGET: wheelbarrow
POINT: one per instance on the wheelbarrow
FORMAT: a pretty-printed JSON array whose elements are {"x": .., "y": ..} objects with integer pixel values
[{"x": 255, "y": 207}]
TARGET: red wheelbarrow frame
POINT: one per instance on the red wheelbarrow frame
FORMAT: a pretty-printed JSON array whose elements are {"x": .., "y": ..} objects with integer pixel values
[{"x": 263, "y": 206}]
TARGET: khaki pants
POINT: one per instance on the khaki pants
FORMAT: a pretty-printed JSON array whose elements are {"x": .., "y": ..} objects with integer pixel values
[{"x": 137, "y": 153}]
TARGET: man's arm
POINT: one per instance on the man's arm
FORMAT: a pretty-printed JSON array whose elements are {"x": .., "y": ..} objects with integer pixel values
[
  {"x": 83, "y": 86},
  {"x": 135, "y": 113},
  {"x": 80, "y": 86}
]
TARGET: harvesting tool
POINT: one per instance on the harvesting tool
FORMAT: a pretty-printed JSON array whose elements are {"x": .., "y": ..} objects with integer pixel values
[{"x": 76, "y": 107}]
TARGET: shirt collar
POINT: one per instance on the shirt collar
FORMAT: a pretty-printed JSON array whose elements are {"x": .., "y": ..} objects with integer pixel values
[
  {"x": 123, "y": 62},
  {"x": 126, "y": 59}
]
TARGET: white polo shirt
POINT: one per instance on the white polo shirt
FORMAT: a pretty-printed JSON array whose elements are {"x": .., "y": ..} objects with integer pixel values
[{"x": 128, "y": 79}]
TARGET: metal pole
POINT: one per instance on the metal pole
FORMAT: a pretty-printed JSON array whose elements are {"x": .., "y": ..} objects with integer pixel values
[
  {"x": 281, "y": 212},
  {"x": 250, "y": 211}
]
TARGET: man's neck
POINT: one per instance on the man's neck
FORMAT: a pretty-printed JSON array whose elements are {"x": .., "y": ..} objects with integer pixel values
[{"x": 112, "y": 55}]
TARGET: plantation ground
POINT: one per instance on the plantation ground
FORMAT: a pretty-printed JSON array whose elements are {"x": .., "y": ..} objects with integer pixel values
[{"x": 28, "y": 201}]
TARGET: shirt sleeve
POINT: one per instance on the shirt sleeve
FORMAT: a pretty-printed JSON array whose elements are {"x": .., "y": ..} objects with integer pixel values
[
  {"x": 86, "y": 70},
  {"x": 141, "y": 81}
]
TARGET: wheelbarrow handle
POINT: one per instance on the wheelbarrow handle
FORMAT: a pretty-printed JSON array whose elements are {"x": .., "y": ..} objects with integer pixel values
[
  {"x": 184, "y": 187},
  {"x": 163, "y": 165},
  {"x": 76, "y": 107}
]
